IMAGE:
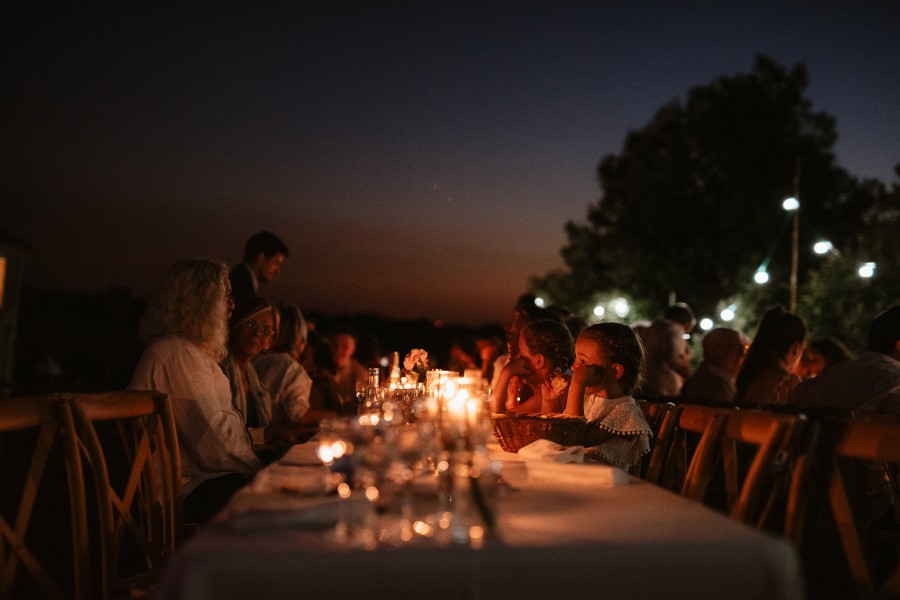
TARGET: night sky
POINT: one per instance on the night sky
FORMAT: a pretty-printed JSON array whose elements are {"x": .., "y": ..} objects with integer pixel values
[{"x": 420, "y": 159}]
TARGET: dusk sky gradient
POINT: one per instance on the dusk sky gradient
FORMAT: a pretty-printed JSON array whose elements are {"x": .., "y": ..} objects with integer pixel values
[{"x": 420, "y": 159}]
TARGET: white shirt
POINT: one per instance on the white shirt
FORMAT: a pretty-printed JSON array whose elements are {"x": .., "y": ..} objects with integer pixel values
[
  {"x": 288, "y": 383},
  {"x": 212, "y": 436},
  {"x": 621, "y": 417}
]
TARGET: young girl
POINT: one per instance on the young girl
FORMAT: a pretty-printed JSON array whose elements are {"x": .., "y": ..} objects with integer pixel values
[
  {"x": 609, "y": 361},
  {"x": 545, "y": 353}
]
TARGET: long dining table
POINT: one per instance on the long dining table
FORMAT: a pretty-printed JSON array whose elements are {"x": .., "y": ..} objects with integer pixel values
[{"x": 562, "y": 531}]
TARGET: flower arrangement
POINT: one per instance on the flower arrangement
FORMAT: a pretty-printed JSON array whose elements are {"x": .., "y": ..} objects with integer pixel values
[
  {"x": 560, "y": 382},
  {"x": 416, "y": 362}
]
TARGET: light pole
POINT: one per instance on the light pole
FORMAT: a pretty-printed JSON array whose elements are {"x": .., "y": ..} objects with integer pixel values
[{"x": 792, "y": 204}]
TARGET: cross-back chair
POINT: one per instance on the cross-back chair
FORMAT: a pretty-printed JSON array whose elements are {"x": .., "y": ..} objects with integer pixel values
[
  {"x": 852, "y": 452},
  {"x": 130, "y": 449},
  {"x": 754, "y": 454},
  {"x": 684, "y": 430},
  {"x": 655, "y": 413},
  {"x": 31, "y": 445}
]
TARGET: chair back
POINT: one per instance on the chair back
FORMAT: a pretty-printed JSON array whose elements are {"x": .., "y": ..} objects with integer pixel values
[
  {"x": 683, "y": 430},
  {"x": 130, "y": 450},
  {"x": 655, "y": 414},
  {"x": 862, "y": 458},
  {"x": 755, "y": 454},
  {"x": 30, "y": 439}
]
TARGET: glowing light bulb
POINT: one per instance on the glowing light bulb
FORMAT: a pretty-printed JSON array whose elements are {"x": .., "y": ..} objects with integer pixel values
[
  {"x": 621, "y": 307},
  {"x": 599, "y": 311},
  {"x": 790, "y": 204},
  {"x": 706, "y": 324},
  {"x": 727, "y": 314},
  {"x": 867, "y": 270},
  {"x": 823, "y": 247},
  {"x": 761, "y": 277}
]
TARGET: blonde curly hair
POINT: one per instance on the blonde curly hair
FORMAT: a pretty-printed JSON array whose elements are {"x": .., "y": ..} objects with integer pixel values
[{"x": 187, "y": 305}]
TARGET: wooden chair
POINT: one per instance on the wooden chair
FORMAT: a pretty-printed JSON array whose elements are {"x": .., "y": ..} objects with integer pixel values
[
  {"x": 30, "y": 426},
  {"x": 129, "y": 445},
  {"x": 662, "y": 446},
  {"x": 683, "y": 431},
  {"x": 847, "y": 450},
  {"x": 737, "y": 461},
  {"x": 754, "y": 453},
  {"x": 655, "y": 414}
]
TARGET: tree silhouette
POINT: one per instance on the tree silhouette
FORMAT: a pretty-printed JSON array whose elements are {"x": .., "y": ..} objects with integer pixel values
[{"x": 692, "y": 204}]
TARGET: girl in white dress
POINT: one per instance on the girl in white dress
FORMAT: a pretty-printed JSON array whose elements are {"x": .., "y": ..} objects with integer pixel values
[{"x": 609, "y": 362}]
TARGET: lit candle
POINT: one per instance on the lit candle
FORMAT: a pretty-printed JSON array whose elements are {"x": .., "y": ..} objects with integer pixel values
[{"x": 457, "y": 407}]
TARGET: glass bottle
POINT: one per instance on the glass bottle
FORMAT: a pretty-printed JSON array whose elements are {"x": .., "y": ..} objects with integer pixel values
[
  {"x": 395, "y": 371},
  {"x": 371, "y": 404}
]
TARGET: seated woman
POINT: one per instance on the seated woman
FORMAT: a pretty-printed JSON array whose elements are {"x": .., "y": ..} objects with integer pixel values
[
  {"x": 767, "y": 377},
  {"x": 284, "y": 377},
  {"x": 545, "y": 353},
  {"x": 253, "y": 326},
  {"x": 318, "y": 361},
  {"x": 820, "y": 354},
  {"x": 186, "y": 326},
  {"x": 608, "y": 368}
]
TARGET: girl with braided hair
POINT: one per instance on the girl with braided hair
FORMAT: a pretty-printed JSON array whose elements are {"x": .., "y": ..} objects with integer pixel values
[
  {"x": 608, "y": 367},
  {"x": 537, "y": 379}
]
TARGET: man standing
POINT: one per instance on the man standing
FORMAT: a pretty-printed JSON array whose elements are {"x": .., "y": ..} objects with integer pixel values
[{"x": 264, "y": 254}]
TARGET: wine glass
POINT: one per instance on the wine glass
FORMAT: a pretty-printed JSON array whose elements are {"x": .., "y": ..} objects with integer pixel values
[
  {"x": 335, "y": 448},
  {"x": 371, "y": 461},
  {"x": 360, "y": 395},
  {"x": 406, "y": 446}
]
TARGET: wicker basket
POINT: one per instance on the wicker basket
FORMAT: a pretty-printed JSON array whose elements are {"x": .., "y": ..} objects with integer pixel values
[{"x": 515, "y": 431}]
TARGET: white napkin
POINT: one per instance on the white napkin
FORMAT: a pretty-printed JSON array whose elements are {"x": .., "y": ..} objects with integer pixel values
[
  {"x": 301, "y": 455},
  {"x": 591, "y": 474},
  {"x": 297, "y": 513},
  {"x": 296, "y": 480},
  {"x": 547, "y": 451}
]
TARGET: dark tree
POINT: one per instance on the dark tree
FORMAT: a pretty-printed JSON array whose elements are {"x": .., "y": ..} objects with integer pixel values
[{"x": 692, "y": 204}]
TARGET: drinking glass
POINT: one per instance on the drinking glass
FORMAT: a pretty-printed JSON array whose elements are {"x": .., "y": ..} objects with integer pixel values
[
  {"x": 335, "y": 448},
  {"x": 406, "y": 448},
  {"x": 371, "y": 461}
]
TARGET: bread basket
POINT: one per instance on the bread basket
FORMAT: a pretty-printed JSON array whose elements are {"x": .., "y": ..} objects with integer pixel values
[{"x": 515, "y": 431}]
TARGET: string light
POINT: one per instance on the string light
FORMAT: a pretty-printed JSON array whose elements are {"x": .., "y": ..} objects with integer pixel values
[
  {"x": 867, "y": 270},
  {"x": 823, "y": 247}
]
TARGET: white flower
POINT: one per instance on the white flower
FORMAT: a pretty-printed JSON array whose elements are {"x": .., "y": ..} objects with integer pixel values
[
  {"x": 416, "y": 360},
  {"x": 559, "y": 383}
]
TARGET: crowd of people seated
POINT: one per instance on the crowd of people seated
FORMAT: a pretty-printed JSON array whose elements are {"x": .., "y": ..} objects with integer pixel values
[{"x": 248, "y": 377}]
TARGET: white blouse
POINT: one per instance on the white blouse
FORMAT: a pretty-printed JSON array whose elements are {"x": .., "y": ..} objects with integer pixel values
[
  {"x": 288, "y": 384},
  {"x": 621, "y": 417},
  {"x": 212, "y": 436}
]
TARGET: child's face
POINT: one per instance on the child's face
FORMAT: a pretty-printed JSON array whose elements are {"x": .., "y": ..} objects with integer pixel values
[
  {"x": 603, "y": 374},
  {"x": 587, "y": 352}
]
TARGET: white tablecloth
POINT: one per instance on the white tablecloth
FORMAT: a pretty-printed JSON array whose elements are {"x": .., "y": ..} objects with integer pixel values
[{"x": 556, "y": 539}]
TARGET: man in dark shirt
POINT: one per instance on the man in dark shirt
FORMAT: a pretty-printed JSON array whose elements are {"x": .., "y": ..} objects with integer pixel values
[{"x": 264, "y": 254}]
